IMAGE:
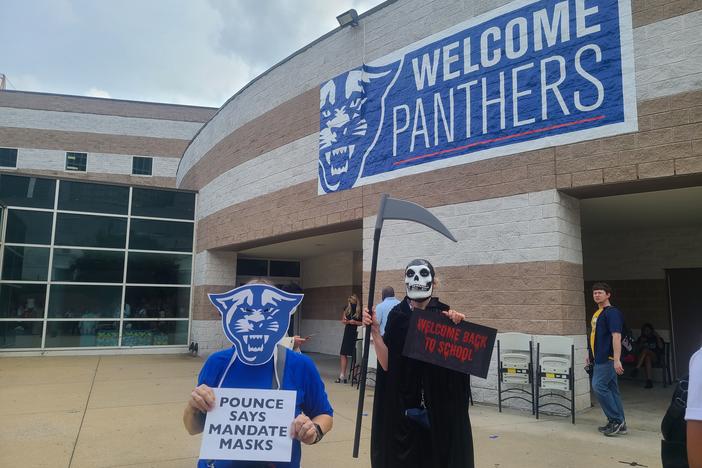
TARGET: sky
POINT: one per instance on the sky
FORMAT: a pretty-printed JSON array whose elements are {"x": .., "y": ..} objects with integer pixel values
[{"x": 195, "y": 52}]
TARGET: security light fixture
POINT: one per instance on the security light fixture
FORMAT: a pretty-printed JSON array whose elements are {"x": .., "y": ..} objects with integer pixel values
[{"x": 349, "y": 17}]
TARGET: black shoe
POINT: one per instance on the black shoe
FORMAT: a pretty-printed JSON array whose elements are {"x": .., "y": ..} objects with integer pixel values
[
  {"x": 649, "y": 384},
  {"x": 604, "y": 428},
  {"x": 616, "y": 428}
]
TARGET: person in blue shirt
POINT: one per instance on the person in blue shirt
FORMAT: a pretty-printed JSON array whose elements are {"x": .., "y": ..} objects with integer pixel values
[
  {"x": 286, "y": 370},
  {"x": 313, "y": 411},
  {"x": 605, "y": 351},
  {"x": 383, "y": 309}
]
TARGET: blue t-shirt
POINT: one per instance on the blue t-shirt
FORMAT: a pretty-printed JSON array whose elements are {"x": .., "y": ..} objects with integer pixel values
[
  {"x": 610, "y": 321},
  {"x": 382, "y": 311},
  {"x": 300, "y": 374}
]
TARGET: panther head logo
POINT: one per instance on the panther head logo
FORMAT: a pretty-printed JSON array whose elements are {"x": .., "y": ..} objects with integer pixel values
[
  {"x": 349, "y": 122},
  {"x": 255, "y": 317}
]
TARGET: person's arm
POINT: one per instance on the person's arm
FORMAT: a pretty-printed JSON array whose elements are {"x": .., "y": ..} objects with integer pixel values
[
  {"x": 202, "y": 400},
  {"x": 381, "y": 350},
  {"x": 617, "y": 346},
  {"x": 694, "y": 443}
]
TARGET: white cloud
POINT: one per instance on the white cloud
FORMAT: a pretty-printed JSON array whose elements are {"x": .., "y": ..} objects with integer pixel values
[
  {"x": 197, "y": 52},
  {"x": 96, "y": 92}
]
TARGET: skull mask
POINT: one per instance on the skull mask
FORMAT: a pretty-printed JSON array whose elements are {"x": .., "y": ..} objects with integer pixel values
[{"x": 419, "y": 279}]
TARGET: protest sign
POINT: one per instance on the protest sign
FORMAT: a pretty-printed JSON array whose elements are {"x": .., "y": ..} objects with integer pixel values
[
  {"x": 464, "y": 347},
  {"x": 249, "y": 425}
]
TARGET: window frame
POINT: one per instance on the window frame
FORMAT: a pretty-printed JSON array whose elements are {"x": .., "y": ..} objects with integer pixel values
[
  {"x": 16, "y": 157},
  {"x": 66, "y": 169},
  {"x": 143, "y": 158}
]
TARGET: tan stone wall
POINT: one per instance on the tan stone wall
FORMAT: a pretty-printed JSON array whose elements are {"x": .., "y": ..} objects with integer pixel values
[
  {"x": 326, "y": 303},
  {"x": 544, "y": 298},
  {"x": 294, "y": 209},
  {"x": 87, "y": 105},
  {"x": 668, "y": 143},
  {"x": 651, "y": 11},
  {"x": 202, "y": 307},
  {"x": 11, "y": 137},
  {"x": 288, "y": 122}
]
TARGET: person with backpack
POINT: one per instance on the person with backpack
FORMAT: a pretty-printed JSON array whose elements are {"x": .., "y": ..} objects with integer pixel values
[{"x": 605, "y": 353}]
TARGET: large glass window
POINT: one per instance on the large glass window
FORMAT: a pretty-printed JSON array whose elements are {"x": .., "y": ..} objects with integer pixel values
[
  {"x": 154, "y": 333},
  {"x": 81, "y": 334},
  {"x": 149, "y": 268},
  {"x": 90, "y": 231},
  {"x": 28, "y": 227},
  {"x": 156, "y": 302},
  {"x": 20, "y": 334},
  {"x": 95, "y": 198},
  {"x": 22, "y": 301},
  {"x": 88, "y": 266},
  {"x": 64, "y": 256},
  {"x": 27, "y": 191},
  {"x": 84, "y": 301},
  {"x": 147, "y": 234},
  {"x": 163, "y": 204},
  {"x": 25, "y": 263}
]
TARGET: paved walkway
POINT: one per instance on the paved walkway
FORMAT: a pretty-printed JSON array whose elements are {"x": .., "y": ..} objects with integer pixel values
[{"x": 125, "y": 411}]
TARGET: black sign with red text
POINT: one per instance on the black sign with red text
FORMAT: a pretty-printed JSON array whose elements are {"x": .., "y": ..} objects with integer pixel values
[{"x": 465, "y": 347}]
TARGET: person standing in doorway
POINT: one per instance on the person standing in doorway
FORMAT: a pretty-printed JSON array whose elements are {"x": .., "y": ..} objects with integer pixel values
[
  {"x": 351, "y": 320},
  {"x": 605, "y": 350},
  {"x": 383, "y": 309}
]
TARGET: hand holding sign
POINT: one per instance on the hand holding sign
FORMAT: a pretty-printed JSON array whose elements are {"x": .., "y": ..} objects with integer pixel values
[
  {"x": 202, "y": 398},
  {"x": 304, "y": 430},
  {"x": 455, "y": 317}
]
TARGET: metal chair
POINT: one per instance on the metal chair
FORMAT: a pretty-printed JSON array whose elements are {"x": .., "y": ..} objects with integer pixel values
[
  {"x": 516, "y": 367},
  {"x": 555, "y": 356}
]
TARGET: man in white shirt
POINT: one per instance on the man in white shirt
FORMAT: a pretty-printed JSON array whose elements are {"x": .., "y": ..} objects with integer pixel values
[
  {"x": 383, "y": 309},
  {"x": 693, "y": 414}
]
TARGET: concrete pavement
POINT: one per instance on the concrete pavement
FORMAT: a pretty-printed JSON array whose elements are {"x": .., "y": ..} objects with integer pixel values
[{"x": 125, "y": 411}]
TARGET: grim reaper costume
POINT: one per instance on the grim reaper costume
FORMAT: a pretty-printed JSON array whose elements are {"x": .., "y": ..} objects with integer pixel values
[{"x": 432, "y": 394}]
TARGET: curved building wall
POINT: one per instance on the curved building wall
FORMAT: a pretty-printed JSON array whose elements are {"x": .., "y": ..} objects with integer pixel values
[{"x": 518, "y": 265}]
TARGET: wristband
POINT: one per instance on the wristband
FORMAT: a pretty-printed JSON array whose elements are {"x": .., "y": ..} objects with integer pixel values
[{"x": 320, "y": 434}]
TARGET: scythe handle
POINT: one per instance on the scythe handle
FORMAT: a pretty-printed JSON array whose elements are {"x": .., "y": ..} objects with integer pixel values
[{"x": 366, "y": 341}]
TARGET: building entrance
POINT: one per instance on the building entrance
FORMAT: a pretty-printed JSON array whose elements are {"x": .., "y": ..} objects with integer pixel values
[{"x": 648, "y": 247}]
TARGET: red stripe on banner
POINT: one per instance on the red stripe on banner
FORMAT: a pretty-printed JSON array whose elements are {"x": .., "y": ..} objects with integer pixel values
[{"x": 506, "y": 137}]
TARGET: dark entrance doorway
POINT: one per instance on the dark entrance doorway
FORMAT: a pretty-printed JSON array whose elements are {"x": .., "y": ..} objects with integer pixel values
[{"x": 685, "y": 296}]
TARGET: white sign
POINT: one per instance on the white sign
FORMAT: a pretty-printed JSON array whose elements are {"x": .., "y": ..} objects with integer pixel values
[{"x": 249, "y": 425}]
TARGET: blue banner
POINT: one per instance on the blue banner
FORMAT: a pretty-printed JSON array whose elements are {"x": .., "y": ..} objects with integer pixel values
[{"x": 528, "y": 75}]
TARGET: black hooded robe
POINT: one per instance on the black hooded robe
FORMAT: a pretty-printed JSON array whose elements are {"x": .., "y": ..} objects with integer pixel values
[{"x": 398, "y": 442}]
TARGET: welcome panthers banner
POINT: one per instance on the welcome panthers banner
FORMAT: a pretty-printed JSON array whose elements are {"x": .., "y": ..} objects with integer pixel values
[{"x": 528, "y": 75}]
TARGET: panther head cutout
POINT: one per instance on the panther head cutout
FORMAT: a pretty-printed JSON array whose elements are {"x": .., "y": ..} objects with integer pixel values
[
  {"x": 255, "y": 317},
  {"x": 349, "y": 123}
]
